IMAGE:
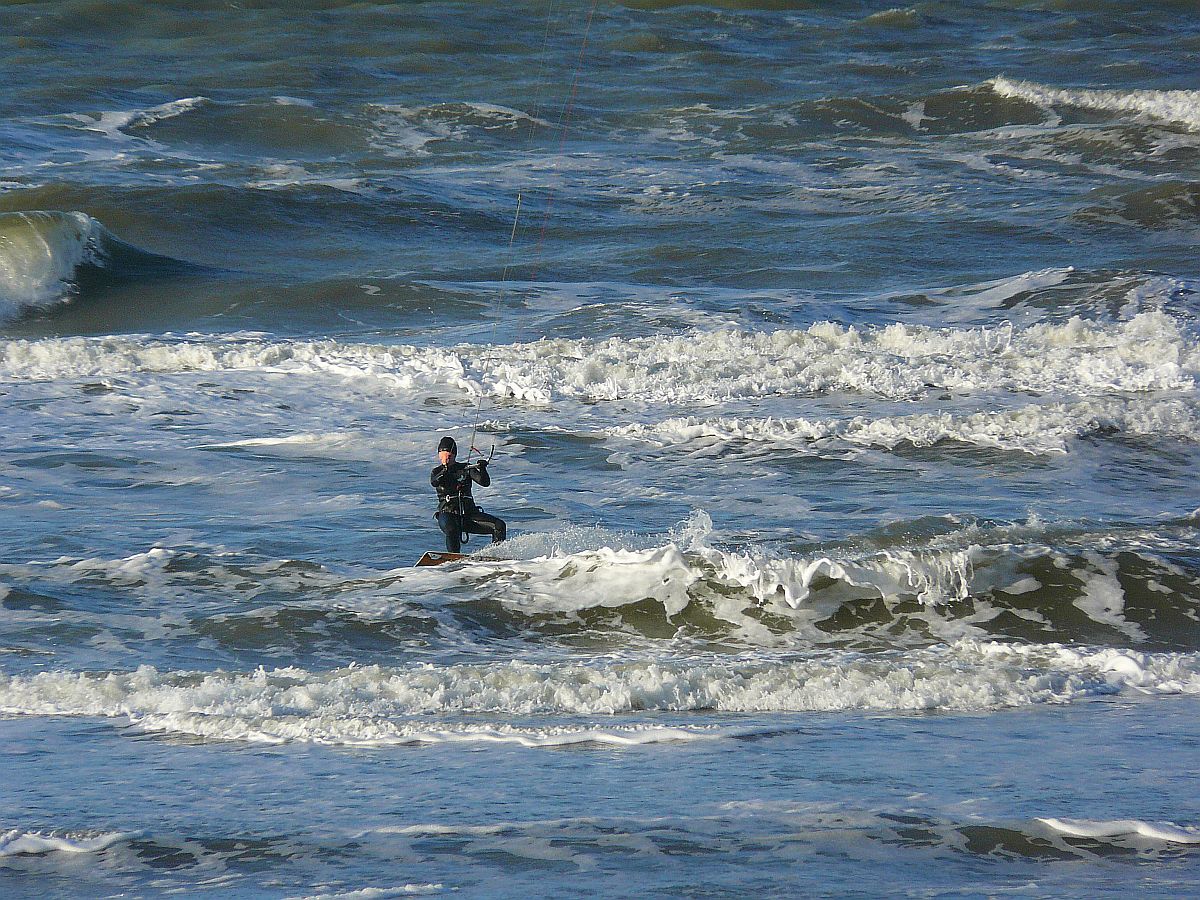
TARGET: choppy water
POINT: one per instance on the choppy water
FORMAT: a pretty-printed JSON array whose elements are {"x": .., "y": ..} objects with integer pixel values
[{"x": 842, "y": 375}]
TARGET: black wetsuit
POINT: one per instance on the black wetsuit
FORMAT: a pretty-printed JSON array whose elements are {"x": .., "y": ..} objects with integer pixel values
[{"x": 457, "y": 513}]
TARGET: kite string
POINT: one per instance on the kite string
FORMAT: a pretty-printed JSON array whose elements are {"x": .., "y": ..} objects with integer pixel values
[
  {"x": 564, "y": 119},
  {"x": 564, "y": 123},
  {"x": 495, "y": 319}
]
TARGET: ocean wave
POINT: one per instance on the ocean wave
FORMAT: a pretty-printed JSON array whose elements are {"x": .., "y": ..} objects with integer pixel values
[
  {"x": 48, "y": 259},
  {"x": 896, "y": 17},
  {"x": 1181, "y": 107},
  {"x": 1120, "y": 587},
  {"x": 16, "y": 842},
  {"x": 280, "y": 128},
  {"x": 404, "y": 367},
  {"x": 115, "y": 123},
  {"x": 1053, "y": 295},
  {"x": 39, "y": 255},
  {"x": 814, "y": 825},
  {"x": 1101, "y": 829},
  {"x": 1150, "y": 352},
  {"x": 755, "y": 128},
  {"x": 745, "y": 832},
  {"x": 409, "y": 130},
  {"x": 1168, "y": 205},
  {"x": 1034, "y": 429},
  {"x": 376, "y": 893},
  {"x": 1130, "y": 586},
  {"x": 378, "y": 706}
]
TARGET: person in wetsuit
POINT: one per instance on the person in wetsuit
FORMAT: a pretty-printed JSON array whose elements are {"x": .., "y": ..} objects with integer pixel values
[{"x": 457, "y": 515}]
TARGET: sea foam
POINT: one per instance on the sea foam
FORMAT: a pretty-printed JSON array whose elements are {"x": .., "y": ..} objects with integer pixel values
[
  {"x": 1182, "y": 107},
  {"x": 1167, "y": 832},
  {"x": 377, "y": 706},
  {"x": 114, "y": 123},
  {"x": 1033, "y": 428},
  {"x": 16, "y": 842},
  {"x": 1150, "y": 352}
]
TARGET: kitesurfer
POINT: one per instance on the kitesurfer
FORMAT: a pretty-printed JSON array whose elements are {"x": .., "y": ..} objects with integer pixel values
[{"x": 457, "y": 515}]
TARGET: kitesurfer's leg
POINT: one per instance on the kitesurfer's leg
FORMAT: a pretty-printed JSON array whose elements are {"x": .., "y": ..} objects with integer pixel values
[
  {"x": 480, "y": 522},
  {"x": 449, "y": 524}
]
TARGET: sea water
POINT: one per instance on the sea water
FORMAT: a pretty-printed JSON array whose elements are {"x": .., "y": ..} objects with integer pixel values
[{"x": 839, "y": 363}]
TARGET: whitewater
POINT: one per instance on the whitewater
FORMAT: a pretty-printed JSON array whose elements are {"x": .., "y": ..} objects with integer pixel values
[{"x": 841, "y": 380}]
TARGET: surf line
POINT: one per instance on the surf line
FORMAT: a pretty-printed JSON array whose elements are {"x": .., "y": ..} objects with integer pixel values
[{"x": 564, "y": 119}]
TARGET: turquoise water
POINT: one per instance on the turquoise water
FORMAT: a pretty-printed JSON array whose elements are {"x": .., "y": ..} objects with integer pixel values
[{"x": 840, "y": 364}]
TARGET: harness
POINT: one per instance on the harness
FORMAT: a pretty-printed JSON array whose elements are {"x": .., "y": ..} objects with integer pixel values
[{"x": 460, "y": 498}]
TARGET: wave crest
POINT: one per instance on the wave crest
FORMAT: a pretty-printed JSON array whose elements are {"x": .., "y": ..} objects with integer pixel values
[
  {"x": 16, "y": 842},
  {"x": 1181, "y": 107},
  {"x": 1033, "y": 429},
  {"x": 378, "y": 706},
  {"x": 1152, "y": 351},
  {"x": 40, "y": 253}
]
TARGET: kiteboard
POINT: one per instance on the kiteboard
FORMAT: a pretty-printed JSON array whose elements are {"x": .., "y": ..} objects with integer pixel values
[{"x": 436, "y": 558}]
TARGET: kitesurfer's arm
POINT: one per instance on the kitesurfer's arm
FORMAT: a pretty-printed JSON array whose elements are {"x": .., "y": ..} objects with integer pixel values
[
  {"x": 438, "y": 479},
  {"x": 479, "y": 474}
]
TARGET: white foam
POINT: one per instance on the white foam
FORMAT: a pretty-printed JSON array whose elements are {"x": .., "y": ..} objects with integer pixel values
[
  {"x": 375, "y": 706},
  {"x": 1182, "y": 107},
  {"x": 1103, "y": 598},
  {"x": 358, "y": 706},
  {"x": 408, "y": 130},
  {"x": 288, "y": 175},
  {"x": 285, "y": 440},
  {"x": 15, "y": 842},
  {"x": 39, "y": 253},
  {"x": 1022, "y": 586},
  {"x": 892, "y": 573},
  {"x": 1034, "y": 428},
  {"x": 113, "y": 123},
  {"x": 403, "y": 367},
  {"x": 603, "y": 577},
  {"x": 1167, "y": 832},
  {"x": 379, "y": 893},
  {"x": 967, "y": 303},
  {"x": 1121, "y": 670},
  {"x": 167, "y": 110},
  {"x": 1151, "y": 352}
]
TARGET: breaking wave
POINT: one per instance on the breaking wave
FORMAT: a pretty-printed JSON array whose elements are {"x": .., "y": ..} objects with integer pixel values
[
  {"x": 116, "y": 123},
  {"x": 1150, "y": 352},
  {"x": 1181, "y": 107},
  {"x": 39, "y": 255},
  {"x": 1140, "y": 588},
  {"x": 16, "y": 842},
  {"x": 51, "y": 258},
  {"x": 744, "y": 831},
  {"x": 1119, "y": 587},
  {"x": 405, "y": 130},
  {"x": 1034, "y": 429},
  {"x": 379, "y": 706}
]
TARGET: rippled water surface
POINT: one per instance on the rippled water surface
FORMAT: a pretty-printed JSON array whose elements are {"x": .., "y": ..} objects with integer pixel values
[{"x": 840, "y": 363}]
